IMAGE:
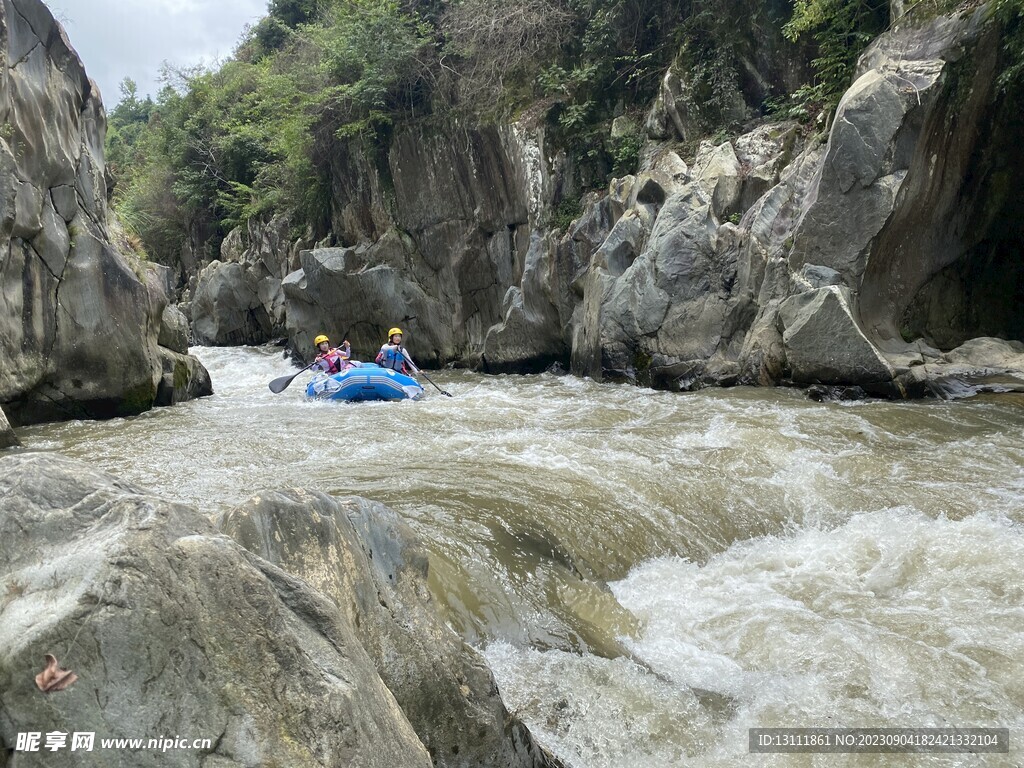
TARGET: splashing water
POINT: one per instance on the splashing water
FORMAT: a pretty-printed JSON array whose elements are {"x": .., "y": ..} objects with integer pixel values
[{"x": 652, "y": 574}]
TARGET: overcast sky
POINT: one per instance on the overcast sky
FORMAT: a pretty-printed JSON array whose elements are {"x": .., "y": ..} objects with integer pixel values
[{"x": 131, "y": 38}]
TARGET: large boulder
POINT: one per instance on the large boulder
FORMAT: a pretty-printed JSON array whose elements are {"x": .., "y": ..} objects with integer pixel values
[
  {"x": 370, "y": 564},
  {"x": 173, "y": 629},
  {"x": 667, "y": 301},
  {"x": 80, "y": 325},
  {"x": 182, "y": 378},
  {"x": 226, "y": 307},
  {"x": 238, "y": 298},
  {"x": 358, "y": 293},
  {"x": 174, "y": 330},
  {"x": 823, "y": 343}
]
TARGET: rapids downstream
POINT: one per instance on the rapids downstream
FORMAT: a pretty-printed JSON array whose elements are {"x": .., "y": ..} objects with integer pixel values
[{"x": 651, "y": 574}]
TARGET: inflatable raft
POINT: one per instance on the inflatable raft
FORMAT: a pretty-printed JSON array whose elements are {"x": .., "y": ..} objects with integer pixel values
[{"x": 365, "y": 382}]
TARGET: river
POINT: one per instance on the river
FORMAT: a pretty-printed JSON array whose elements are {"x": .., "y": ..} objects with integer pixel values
[{"x": 651, "y": 574}]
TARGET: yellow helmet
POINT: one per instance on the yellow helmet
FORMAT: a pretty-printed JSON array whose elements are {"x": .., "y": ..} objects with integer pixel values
[
  {"x": 393, "y": 331},
  {"x": 320, "y": 340}
]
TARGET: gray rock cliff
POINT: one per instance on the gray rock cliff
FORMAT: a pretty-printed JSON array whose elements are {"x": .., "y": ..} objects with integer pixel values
[{"x": 80, "y": 326}]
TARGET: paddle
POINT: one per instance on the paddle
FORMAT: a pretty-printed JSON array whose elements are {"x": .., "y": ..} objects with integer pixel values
[
  {"x": 417, "y": 370},
  {"x": 279, "y": 385}
]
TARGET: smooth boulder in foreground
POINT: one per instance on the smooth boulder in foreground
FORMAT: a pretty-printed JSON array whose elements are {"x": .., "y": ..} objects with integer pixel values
[{"x": 174, "y": 629}]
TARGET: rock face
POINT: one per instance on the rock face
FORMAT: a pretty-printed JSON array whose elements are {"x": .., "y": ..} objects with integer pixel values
[
  {"x": 7, "y": 437},
  {"x": 148, "y": 604},
  {"x": 823, "y": 343},
  {"x": 80, "y": 326},
  {"x": 428, "y": 237},
  {"x": 239, "y": 299},
  {"x": 362, "y": 557},
  {"x": 847, "y": 262},
  {"x": 174, "y": 629}
]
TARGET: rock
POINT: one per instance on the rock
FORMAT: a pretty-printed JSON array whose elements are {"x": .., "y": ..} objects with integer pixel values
[
  {"x": 531, "y": 336},
  {"x": 233, "y": 246},
  {"x": 226, "y": 308},
  {"x": 823, "y": 343},
  {"x": 691, "y": 375},
  {"x": 173, "y": 330},
  {"x": 182, "y": 378},
  {"x": 718, "y": 171},
  {"x": 821, "y": 393},
  {"x": 623, "y": 126},
  {"x": 79, "y": 331},
  {"x": 667, "y": 301},
  {"x": 669, "y": 115},
  {"x": 238, "y": 299},
  {"x": 370, "y": 564},
  {"x": 147, "y": 604},
  {"x": 7, "y": 437},
  {"x": 763, "y": 153},
  {"x": 880, "y": 211},
  {"x": 358, "y": 293},
  {"x": 979, "y": 365},
  {"x": 987, "y": 353},
  {"x": 447, "y": 218},
  {"x": 816, "y": 276}
]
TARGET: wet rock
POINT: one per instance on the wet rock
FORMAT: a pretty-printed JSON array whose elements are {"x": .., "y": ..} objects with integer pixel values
[
  {"x": 173, "y": 628},
  {"x": 822, "y": 393},
  {"x": 370, "y": 564},
  {"x": 823, "y": 342},
  {"x": 7, "y": 437},
  {"x": 979, "y": 365},
  {"x": 182, "y": 378}
]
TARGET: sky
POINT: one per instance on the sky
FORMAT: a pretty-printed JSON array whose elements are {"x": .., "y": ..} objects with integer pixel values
[{"x": 132, "y": 38}]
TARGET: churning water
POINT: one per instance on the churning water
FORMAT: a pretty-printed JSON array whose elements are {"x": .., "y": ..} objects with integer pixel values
[{"x": 652, "y": 574}]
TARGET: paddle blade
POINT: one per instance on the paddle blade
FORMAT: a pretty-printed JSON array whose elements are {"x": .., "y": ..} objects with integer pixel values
[{"x": 277, "y": 386}]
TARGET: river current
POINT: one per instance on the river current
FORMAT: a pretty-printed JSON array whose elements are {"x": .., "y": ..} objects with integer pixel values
[{"x": 652, "y": 574}]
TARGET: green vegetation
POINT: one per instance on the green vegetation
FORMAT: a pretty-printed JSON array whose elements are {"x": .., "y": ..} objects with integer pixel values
[
  {"x": 255, "y": 136},
  {"x": 841, "y": 30},
  {"x": 220, "y": 146},
  {"x": 566, "y": 213},
  {"x": 1010, "y": 14}
]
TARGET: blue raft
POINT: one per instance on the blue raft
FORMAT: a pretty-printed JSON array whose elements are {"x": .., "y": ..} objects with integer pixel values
[{"x": 365, "y": 382}]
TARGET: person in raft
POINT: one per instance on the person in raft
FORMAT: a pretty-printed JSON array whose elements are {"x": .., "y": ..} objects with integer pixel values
[
  {"x": 393, "y": 355},
  {"x": 329, "y": 359}
]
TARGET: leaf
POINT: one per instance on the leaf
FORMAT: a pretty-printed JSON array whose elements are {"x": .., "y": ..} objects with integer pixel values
[{"x": 53, "y": 678}]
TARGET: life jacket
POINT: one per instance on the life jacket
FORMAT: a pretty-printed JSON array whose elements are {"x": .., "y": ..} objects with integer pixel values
[
  {"x": 392, "y": 357},
  {"x": 332, "y": 361}
]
